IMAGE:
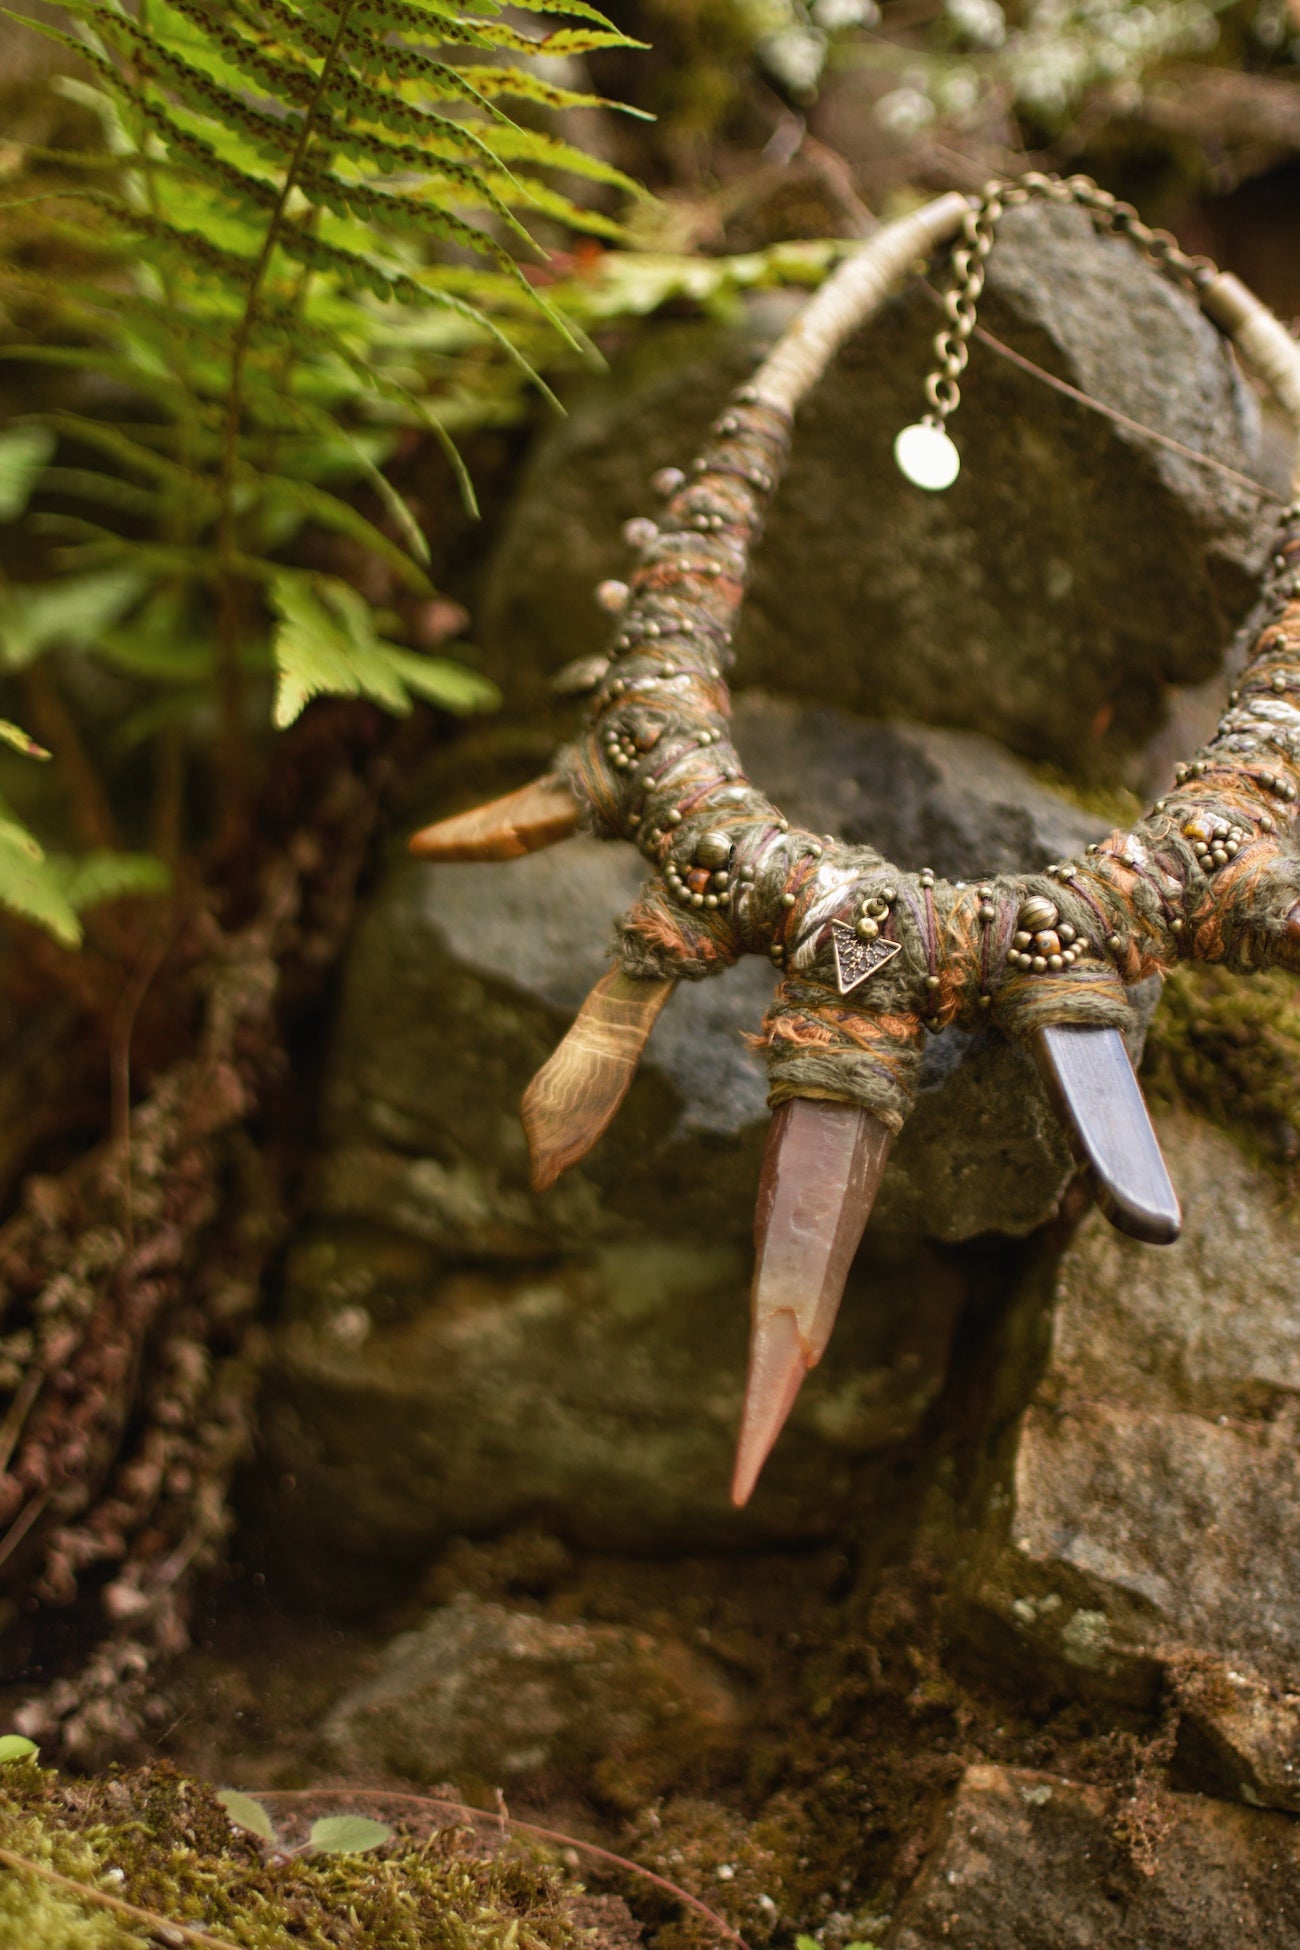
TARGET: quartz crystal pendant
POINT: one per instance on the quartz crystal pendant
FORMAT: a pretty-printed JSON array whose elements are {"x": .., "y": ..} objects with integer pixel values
[{"x": 821, "y": 1169}]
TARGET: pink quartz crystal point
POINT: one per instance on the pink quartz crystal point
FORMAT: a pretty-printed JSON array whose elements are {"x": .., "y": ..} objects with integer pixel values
[{"x": 822, "y": 1167}]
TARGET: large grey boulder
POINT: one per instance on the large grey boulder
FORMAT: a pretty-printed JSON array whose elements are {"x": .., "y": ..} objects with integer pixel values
[
  {"x": 1025, "y": 1861},
  {"x": 1143, "y": 1522},
  {"x": 1074, "y": 570}
]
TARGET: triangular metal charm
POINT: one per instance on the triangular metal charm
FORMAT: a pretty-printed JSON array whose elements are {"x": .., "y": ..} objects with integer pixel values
[{"x": 856, "y": 959}]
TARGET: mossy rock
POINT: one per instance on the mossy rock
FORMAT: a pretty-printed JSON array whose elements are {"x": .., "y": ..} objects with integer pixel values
[
  {"x": 150, "y": 1857},
  {"x": 1230, "y": 1049}
]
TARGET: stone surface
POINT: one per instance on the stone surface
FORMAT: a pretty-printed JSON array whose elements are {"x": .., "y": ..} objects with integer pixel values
[
  {"x": 1073, "y": 571},
  {"x": 600, "y": 1397},
  {"x": 1146, "y": 1518},
  {"x": 1026, "y": 1861},
  {"x": 486, "y": 1697}
]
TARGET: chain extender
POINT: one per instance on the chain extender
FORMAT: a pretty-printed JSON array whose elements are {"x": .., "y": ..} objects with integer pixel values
[{"x": 969, "y": 261}]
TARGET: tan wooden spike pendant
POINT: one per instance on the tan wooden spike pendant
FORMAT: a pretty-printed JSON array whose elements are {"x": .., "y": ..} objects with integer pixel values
[
  {"x": 575, "y": 1096},
  {"x": 822, "y": 1168},
  {"x": 538, "y": 815}
]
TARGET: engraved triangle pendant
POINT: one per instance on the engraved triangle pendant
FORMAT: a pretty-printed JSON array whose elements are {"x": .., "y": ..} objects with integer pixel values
[{"x": 856, "y": 959}]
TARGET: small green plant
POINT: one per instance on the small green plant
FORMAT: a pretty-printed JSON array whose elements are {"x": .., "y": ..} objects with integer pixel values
[
  {"x": 16, "y": 1746},
  {"x": 298, "y": 243},
  {"x": 330, "y": 1835}
]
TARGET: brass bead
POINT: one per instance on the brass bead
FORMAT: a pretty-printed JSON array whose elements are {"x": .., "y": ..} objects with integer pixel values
[
  {"x": 1036, "y": 913},
  {"x": 713, "y": 849}
]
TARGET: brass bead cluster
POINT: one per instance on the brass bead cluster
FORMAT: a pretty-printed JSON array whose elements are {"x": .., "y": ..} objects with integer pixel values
[
  {"x": 621, "y": 748},
  {"x": 874, "y": 913},
  {"x": 1043, "y": 942},
  {"x": 706, "y": 879},
  {"x": 1213, "y": 841},
  {"x": 1281, "y": 788}
]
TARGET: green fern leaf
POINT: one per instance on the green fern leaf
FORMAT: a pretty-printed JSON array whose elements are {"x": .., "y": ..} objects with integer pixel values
[
  {"x": 564, "y": 41},
  {"x": 528, "y": 87},
  {"x": 326, "y": 642},
  {"x": 440, "y": 681},
  {"x": 548, "y": 151},
  {"x": 21, "y": 741},
  {"x": 407, "y": 17},
  {"x": 69, "y": 614},
  {"x": 109, "y": 490},
  {"x": 88, "y": 879},
  {"x": 23, "y": 453},
  {"x": 334, "y": 513},
  {"x": 134, "y": 453},
  {"x": 29, "y": 889}
]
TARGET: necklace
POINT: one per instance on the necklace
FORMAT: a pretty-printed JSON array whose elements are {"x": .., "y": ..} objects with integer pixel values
[{"x": 872, "y": 957}]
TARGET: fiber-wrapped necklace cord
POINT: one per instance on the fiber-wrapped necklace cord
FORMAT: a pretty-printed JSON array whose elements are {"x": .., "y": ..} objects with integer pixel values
[{"x": 871, "y": 956}]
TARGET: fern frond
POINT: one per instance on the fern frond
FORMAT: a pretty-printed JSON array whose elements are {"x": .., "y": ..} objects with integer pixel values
[
  {"x": 69, "y": 614},
  {"x": 29, "y": 889},
  {"x": 88, "y": 879},
  {"x": 23, "y": 453},
  {"x": 133, "y": 452},
  {"x": 331, "y": 511},
  {"x": 288, "y": 81},
  {"x": 326, "y": 642},
  {"x": 19, "y": 740},
  {"x": 287, "y": 171},
  {"x": 550, "y": 152},
  {"x": 525, "y": 86},
  {"x": 110, "y": 490}
]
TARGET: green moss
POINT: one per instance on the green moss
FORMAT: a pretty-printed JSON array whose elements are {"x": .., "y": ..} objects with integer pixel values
[
  {"x": 1229, "y": 1047},
  {"x": 163, "y": 1843}
]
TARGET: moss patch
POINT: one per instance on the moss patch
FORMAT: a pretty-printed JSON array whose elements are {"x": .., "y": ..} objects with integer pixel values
[
  {"x": 1230, "y": 1049},
  {"x": 162, "y": 1843}
]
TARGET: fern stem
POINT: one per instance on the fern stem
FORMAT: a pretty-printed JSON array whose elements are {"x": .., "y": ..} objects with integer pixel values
[
  {"x": 92, "y": 812},
  {"x": 232, "y": 742}
]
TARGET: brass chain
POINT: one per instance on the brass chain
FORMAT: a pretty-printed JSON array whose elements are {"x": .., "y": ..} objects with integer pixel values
[{"x": 969, "y": 261}]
